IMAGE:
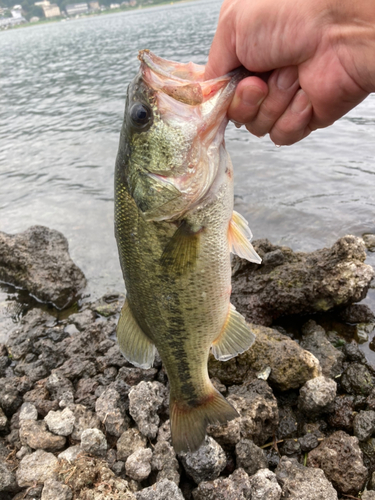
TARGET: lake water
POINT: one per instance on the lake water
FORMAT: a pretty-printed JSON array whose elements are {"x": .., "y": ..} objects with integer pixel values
[{"x": 62, "y": 95}]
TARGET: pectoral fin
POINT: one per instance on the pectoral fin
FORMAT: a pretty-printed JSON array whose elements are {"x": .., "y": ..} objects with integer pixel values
[
  {"x": 182, "y": 251},
  {"x": 136, "y": 347},
  {"x": 235, "y": 338},
  {"x": 239, "y": 236}
]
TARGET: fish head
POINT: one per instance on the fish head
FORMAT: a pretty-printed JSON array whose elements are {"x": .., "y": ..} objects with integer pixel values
[{"x": 173, "y": 127}]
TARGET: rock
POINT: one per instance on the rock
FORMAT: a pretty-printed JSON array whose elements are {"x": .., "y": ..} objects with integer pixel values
[
  {"x": 111, "y": 411},
  {"x": 132, "y": 376},
  {"x": 316, "y": 341},
  {"x": 250, "y": 457},
  {"x": 163, "y": 490},
  {"x": 70, "y": 454},
  {"x": 129, "y": 441},
  {"x": 3, "y": 421},
  {"x": 357, "y": 313},
  {"x": 299, "y": 482},
  {"x": 357, "y": 379},
  {"x": 303, "y": 283},
  {"x": 10, "y": 398},
  {"x": 206, "y": 463},
  {"x": 145, "y": 401},
  {"x": 369, "y": 240},
  {"x": 7, "y": 480},
  {"x": 53, "y": 490},
  {"x": 138, "y": 464},
  {"x": 364, "y": 425},
  {"x": 341, "y": 460},
  {"x": 308, "y": 442},
  {"x": 84, "y": 419},
  {"x": 368, "y": 495},
  {"x": 288, "y": 425},
  {"x": 24, "y": 450},
  {"x": 57, "y": 385},
  {"x": 352, "y": 353},
  {"x": 342, "y": 415},
  {"x": 28, "y": 412},
  {"x": 60, "y": 422},
  {"x": 290, "y": 447},
  {"x": 38, "y": 261},
  {"x": 264, "y": 486},
  {"x": 36, "y": 468},
  {"x": 290, "y": 365},
  {"x": 35, "y": 434},
  {"x": 234, "y": 487},
  {"x": 165, "y": 462},
  {"x": 93, "y": 441},
  {"x": 317, "y": 396}
]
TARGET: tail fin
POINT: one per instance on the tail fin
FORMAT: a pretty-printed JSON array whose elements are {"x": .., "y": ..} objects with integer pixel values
[{"x": 189, "y": 423}]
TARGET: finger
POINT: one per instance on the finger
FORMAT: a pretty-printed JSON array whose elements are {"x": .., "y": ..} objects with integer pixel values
[
  {"x": 282, "y": 87},
  {"x": 222, "y": 57},
  {"x": 293, "y": 125},
  {"x": 250, "y": 93}
]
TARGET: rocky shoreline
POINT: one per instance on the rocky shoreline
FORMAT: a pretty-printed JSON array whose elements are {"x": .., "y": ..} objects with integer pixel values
[{"x": 77, "y": 421}]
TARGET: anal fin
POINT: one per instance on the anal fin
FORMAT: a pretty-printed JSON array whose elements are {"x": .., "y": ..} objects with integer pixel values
[
  {"x": 134, "y": 344},
  {"x": 235, "y": 338},
  {"x": 239, "y": 236}
]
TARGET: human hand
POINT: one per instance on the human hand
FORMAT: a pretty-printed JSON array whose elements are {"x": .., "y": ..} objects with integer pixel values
[{"x": 321, "y": 62}]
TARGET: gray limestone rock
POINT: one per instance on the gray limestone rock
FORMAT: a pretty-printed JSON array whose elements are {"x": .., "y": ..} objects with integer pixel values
[
  {"x": 341, "y": 460},
  {"x": 291, "y": 366},
  {"x": 250, "y": 457},
  {"x": 206, "y": 463},
  {"x": 162, "y": 490},
  {"x": 7, "y": 479},
  {"x": 3, "y": 421},
  {"x": 317, "y": 396},
  {"x": 28, "y": 412},
  {"x": 93, "y": 441},
  {"x": 264, "y": 486},
  {"x": 146, "y": 400},
  {"x": 60, "y": 422},
  {"x": 299, "y": 482},
  {"x": 70, "y": 454},
  {"x": 38, "y": 261},
  {"x": 84, "y": 419},
  {"x": 235, "y": 487},
  {"x": 315, "y": 340},
  {"x": 138, "y": 464},
  {"x": 57, "y": 385},
  {"x": 303, "y": 282},
  {"x": 165, "y": 462},
  {"x": 54, "y": 490},
  {"x": 368, "y": 495},
  {"x": 36, "y": 468},
  {"x": 129, "y": 441},
  {"x": 111, "y": 410},
  {"x": 364, "y": 424},
  {"x": 34, "y": 434}
]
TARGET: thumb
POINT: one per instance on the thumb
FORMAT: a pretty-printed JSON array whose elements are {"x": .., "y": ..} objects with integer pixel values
[{"x": 222, "y": 57}]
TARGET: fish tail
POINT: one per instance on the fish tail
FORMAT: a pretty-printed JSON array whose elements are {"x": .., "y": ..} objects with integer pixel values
[{"x": 189, "y": 422}]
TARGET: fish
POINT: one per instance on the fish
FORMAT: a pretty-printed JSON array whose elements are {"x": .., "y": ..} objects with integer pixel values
[{"x": 175, "y": 228}]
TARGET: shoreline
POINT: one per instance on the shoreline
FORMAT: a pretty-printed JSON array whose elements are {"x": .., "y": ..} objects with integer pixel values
[{"x": 96, "y": 14}]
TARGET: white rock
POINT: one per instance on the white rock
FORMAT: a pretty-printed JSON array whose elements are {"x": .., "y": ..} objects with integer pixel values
[{"x": 60, "y": 422}]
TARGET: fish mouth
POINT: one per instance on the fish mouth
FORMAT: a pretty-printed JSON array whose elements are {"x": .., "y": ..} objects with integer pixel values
[{"x": 185, "y": 82}]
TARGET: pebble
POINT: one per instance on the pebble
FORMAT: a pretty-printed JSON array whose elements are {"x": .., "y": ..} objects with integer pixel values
[
  {"x": 111, "y": 410},
  {"x": 70, "y": 453},
  {"x": 129, "y": 442},
  {"x": 138, "y": 464},
  {"x": 357, "y": 379},
  {"x": 163, "y": 490},
  {"x": 53, "y": 490},
  {"x": 3, "y": 420},
  {"x": 250, "y": 457},
  {"x": 28, "y": 412},
  {"x": 264, "y": 486},
  {"x": 317, "y": 395},
  {"x": 93, "y": 441},
  {"x": 235, "y": 487},
  {"x": 36, "y": 468},
  {"x": 206, "y": 463},
  {"x": 7, "y": 479},
  {"x": 165, "y": 462},
  {"x": 364, "y": 425},
  {"x": 84, "y": 419},
  {"x": 368, "y": 495},
  {"x": 34, "y": 434},
  {"x": 145, "y": 401},
  {"x": 60, "y": 422}
]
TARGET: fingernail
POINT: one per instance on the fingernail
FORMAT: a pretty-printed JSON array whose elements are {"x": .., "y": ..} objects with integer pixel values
[
  {"x": 287, "y": 77},
  {"x": 300, "y": 102},
  {"x": 252, "y": 96}
]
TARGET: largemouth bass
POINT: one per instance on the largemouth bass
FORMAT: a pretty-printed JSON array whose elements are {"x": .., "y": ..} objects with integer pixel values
[{"x": 175, "y": 228}]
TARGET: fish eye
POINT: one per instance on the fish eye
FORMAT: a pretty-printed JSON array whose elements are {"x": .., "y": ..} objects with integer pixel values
[{"x": 140, "y": 114}]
